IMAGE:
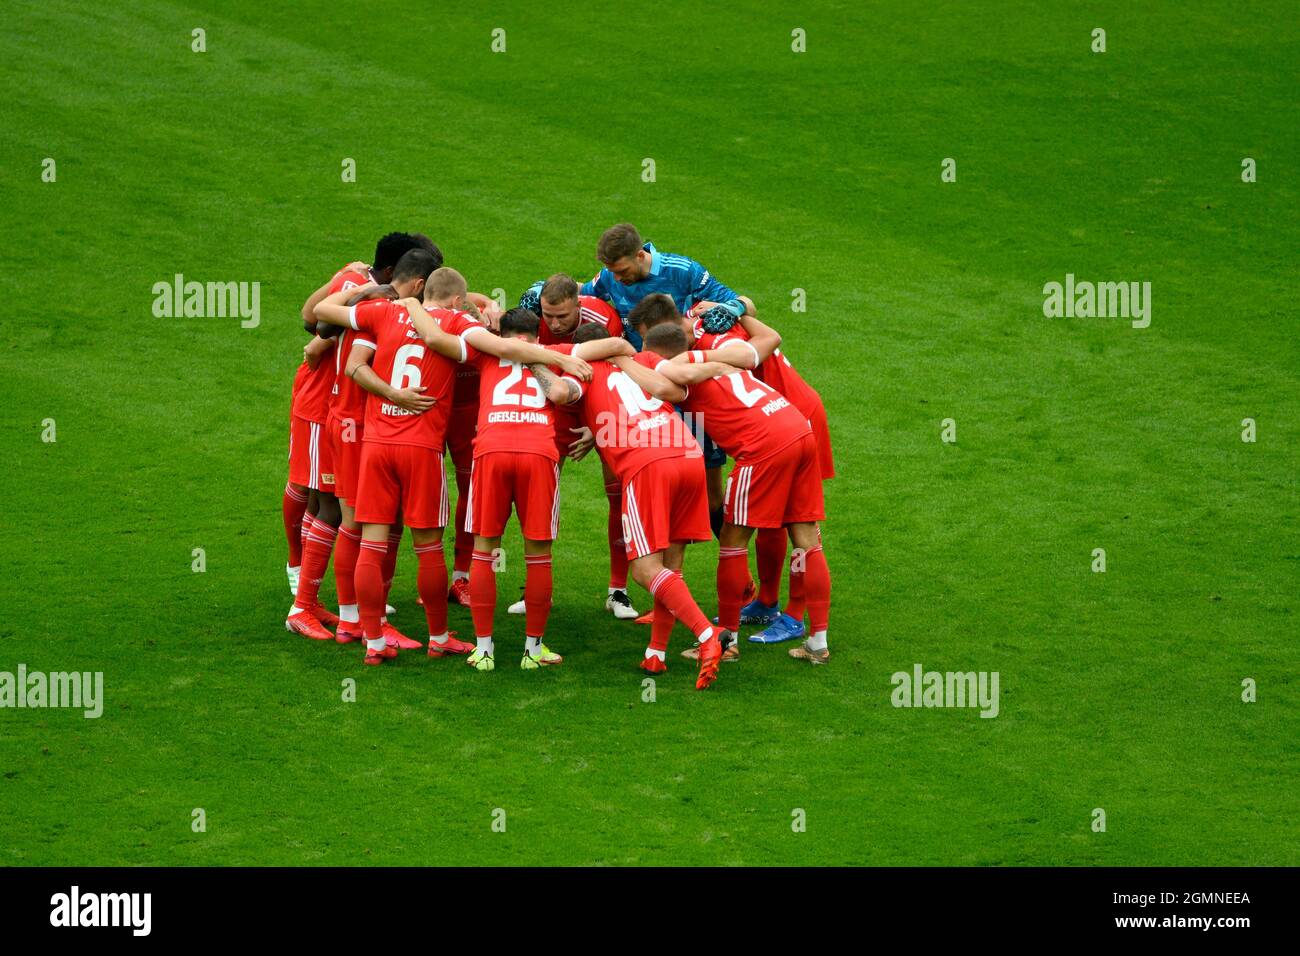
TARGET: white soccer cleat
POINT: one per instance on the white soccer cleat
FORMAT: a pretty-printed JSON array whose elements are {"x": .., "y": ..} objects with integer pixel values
[
  {"x": 388, "y": 608},
  {"x": 519, "y": 607},
  {"x": 620, "y": 605},
  {"x": 293, "y": 579}
]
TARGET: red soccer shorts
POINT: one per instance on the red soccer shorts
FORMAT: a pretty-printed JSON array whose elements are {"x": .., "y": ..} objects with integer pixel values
[
  {"x": 310, "y": 462},
  {"x": 666, "y": 501},
  {"x": 345, "y": 450},
  {"x": 408, "y": 478},
  {"x": 778, "y": 490},
  {"x": 530, "y": 482}
]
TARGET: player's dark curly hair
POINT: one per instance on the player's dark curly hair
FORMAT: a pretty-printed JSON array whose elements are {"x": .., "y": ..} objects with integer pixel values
[{"x": 393, "y": 246}]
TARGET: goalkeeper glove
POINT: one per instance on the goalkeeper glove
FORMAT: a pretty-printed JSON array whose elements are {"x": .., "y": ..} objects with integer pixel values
[
  {"x": 720, "y": 319},
  {"x": 532, "y": 299}
]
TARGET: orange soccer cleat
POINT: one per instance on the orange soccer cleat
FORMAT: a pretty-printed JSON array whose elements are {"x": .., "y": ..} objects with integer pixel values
[
  {"x": 451, "y": 648},
  {"x": 647, "y": 618},
  {"x": 308, "y": 625},
  {"x": 326, "y": 617},
  {"x": 710, "y": 654},
  {"x": 396, "y": 638},
  {"x": 458, "y": 593},
  {"x": 653, "y": 665},
  {"x": 385, "y": 653},
  {"x": 348, "y": 632}
]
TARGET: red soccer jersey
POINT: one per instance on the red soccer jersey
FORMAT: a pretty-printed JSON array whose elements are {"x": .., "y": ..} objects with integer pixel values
[
  {"x": 513, "y": 413},
  {"x": 631, "y": 428},
  {"x": 465, "y": 394},
  {"x": 404, "y": 361},
  {"x": 348, "y": 402},
  {"x": 744, "y": 415},
  {"x": 311, "y": 399},
  {"x": 775, "y": 371},
  {"x": 591, "y": 309}
]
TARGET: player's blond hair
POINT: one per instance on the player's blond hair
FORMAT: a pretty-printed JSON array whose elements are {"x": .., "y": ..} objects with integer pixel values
[{"x": 444, "y": 285}]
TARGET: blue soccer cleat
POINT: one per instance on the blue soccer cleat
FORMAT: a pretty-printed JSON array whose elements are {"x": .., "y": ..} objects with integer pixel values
[
  {"x": 784, "y": 628},
  {"x": 756, "y": 612}
]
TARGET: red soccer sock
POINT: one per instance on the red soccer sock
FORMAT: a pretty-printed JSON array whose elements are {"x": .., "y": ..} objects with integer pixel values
[
  {"x": 432, "y": 584},
  {"x": 614, "y": 531},
  {"x": 307, "y": 520},
  {"x": 370, "y": 588},
  {"x": 818, "y": 582},
  {"x": 797, "y": 604},
  {"x": 347, "y": 548},
  {"x": 315, "y": 559},
  {"x": 294, "y": 506},
  {"x": 390, "y": 559},
  {"x": 669, "y": 588},
  {"x": 733, "y": 575},
  {"x": 482, "y": 593},
  {"x": 771, "y": 558},
  {"x": 464, "y": 540},
  {"x": 537, "y": 594},
  {"x": 661, "y": 624}
]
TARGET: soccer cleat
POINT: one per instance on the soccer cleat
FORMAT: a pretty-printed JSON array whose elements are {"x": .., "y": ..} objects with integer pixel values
[
  {"x": 784, "y": 628},
  {"x": 325, "y": 616},
  {"x": 293, "y": 579},
  {"x": 395, "y": 638},
  {"x": 389, "y": 609},
  {"x": 730, "y": 649},
  {"x": 756, "y": 612},
  {"x": 620, "y": 605},
  {"x": 805, "y": 653},
  {"x": 348, "y": 632},
  {"x": 545, "y": 658},
  {"x": 647, "y": 618},
  {"x": 519, "y": 607},
  {"x": 653, "y": 664},
  {"x": 451, "y": 648},
  {"x": 480, "y": 661},
  {"x": 306, "y": 624},
  {"x": 458, "y": 593},
  {"x": 385, "y": 653},
  {"x": 710, "y": 654}
]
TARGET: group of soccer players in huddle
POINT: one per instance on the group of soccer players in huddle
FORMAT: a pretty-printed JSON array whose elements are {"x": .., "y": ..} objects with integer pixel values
[{"x": 406, "y": 364}]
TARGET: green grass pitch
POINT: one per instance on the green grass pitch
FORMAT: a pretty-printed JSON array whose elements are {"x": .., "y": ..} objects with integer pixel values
[{"x": 780, "y": 170}]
